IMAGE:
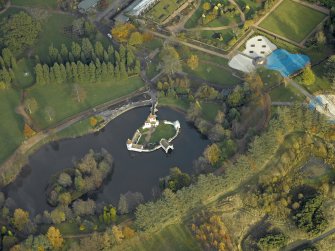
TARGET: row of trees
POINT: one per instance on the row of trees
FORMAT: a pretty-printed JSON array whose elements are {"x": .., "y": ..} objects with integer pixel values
[
  {"x": 212, "y": 233},
  {"x": 82, "y": 73},
  {"x": 87, "y": 52},
  {"x": 7, "y": 64},
  {"x": 86, "y": 63}
]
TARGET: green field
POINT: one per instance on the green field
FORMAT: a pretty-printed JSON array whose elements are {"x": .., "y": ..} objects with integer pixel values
[
  {"x": 213, "y": 74},
  {"x": 162, "y": 132},
  {"x": 52, "y": 4},
  {"x": 175, "y": 237},
  {"x": 59, "y": 98},
  {"x": 53, "y": 33},
  {"x": 24, "y": 74},
  {"x": 11, "y": 133},
  {"x": 163, "y": 9},
  {"x": 292, "y": 20},
  {"x": 180, "y": 104}
]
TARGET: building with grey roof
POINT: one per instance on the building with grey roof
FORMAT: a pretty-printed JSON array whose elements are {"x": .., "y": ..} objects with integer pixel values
[{"x": 87, "y": 5}]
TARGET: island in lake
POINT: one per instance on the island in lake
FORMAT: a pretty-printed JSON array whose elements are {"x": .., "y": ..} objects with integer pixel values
[{"x": 154, "y": 134}]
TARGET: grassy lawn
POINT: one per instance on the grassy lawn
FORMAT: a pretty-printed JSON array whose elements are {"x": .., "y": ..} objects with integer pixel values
[
  {"x": 11, "y": 130},
  {"x": 181, "y": 104},
  {"x": 163, "y": 9},
  {"x": 210, "y": 110},
  {"x": 59, "y": 98},
  {"x": 78, "y": 129},
  {"x": 213, "y": 74},
  {"x": 175, "y": 237},
  {"x": 210, "y": 72},
  {"x": 24, "y": 74},
  {"x": 52, "y": 4},
  {"x": 53, "y": 33},
  {"x": 292, "y": 20},
  {"x": 226, "y": 34},
  {"x": 162, "y": 132},
  {"x": 286, "y": 94}
]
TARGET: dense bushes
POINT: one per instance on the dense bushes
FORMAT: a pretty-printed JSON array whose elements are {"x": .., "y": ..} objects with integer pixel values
[
  {"x": 87, "y": 175},
  {"x": 309, "y": 216},
  {"x": 171, "y": 208}
]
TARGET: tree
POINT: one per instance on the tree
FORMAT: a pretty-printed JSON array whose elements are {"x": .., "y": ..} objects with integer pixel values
[
  {"x": 128, "y": 232},
  {"x": 76, "y": 50},
  {"x": 64, "y": 53},
  {"x": 99, "y": 50},
  {"x": 123, "y": 205},
  {"x": 49, "y": 113},
  {"x": 193, "y": 62},
  {"x": 78, "y": 93},
  {"x": 329, "y": 69},
  {"x": 55, "y": 237},
  {"x": 206, "y": 6},
  {"x": 118, "y": 235},
  {"x": 220, "y": 116},
  {"x": 136, "y": 38},
  {"x": 212, "y": 154},
  {"x": 58, "y": 216},
  {"x": 121, "y": 32},
  {"x": 40, "y": 80},
  {"x": 170, "y": 60},
  {"x": 20, "y": 219},
  {"x": 81, "y": 207},
  {"x": 307, "y": 76},
  {"x": 19, "y": 31},
  {"x": 28, "y": 131},
  {"x": 87, "y": 48},
  {"x": 31, "y": 105},
  {"x": 320, "y": 38},
  {"x": 64, "y": 179},
  {"x": 64, "y": 199}
]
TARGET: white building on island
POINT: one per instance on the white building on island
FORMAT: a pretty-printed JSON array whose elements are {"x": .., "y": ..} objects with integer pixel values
[{"x": 151, "y": 122}]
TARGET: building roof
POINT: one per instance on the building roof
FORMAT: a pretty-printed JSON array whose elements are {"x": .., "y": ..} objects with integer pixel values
[
  {"x": 242, "y": 63},
  {"x": 87, "y": 4},
  {"x": 259, "y": 46},
  {"x": 139, "y": 6}
]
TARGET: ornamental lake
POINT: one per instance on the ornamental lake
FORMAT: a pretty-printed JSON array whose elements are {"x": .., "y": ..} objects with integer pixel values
[{"x": 135, "y": 172}]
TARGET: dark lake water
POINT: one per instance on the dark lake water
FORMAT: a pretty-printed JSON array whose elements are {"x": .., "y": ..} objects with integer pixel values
[{"x": 136, "y": 172}]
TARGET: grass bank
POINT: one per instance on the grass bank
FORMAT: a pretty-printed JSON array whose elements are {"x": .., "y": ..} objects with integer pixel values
[{"x": 292, "y": 20}]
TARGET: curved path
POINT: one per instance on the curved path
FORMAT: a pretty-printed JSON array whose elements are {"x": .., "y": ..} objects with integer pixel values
[{"x": 8, "y": 4}]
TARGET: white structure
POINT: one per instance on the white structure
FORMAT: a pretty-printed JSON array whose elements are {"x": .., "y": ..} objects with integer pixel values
[
  {"x": 151, "y": 122},
  {"x": 141, "y": 6},
  {"x": 256, "y": 47},
  {"x": 259, "y": 46},
  {"x": 242, "y": 63}
]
